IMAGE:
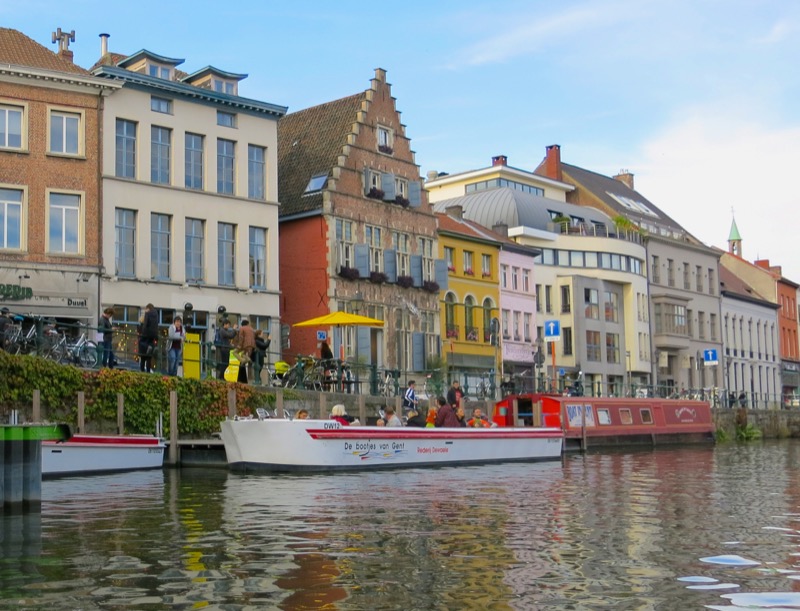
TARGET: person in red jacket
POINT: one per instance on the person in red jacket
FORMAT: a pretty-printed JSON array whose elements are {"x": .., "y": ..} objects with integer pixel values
[
  {"x": 446, "y": 415},
  {"x": 339, "y": 414}
]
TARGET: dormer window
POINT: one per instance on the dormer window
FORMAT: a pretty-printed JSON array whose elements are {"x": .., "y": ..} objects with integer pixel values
[
  {"x": 385, "y": 140},
  {"x": 159, "y": 71},
  {"x": 225, "y": 87},
  {"x": 316, "y": 183}
]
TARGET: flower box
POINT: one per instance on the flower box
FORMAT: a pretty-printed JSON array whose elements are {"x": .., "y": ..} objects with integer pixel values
[
  {"x": 349, "y": 273},
  {"x": 431, "y": 286},
  {"x": 469, "y": 272},
  {"x": 386, "y": 149},
  {"x": 378, "y": 277},
  {"x": 405, "y": 281},
  {"x": 402, "y": 201},
  {"x": 453, "y": 333},
  {"x": 486, "y": 275},
  {"x": 451, "y": 268},
  {"x": 375, "y": 193}
]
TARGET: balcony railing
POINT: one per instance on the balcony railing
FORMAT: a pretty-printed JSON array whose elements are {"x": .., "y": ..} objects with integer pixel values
[{"x": 472, "y": 333}]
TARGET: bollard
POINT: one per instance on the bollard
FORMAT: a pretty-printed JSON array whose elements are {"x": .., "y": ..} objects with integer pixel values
[
  {"x": 279, "y": 403},
  {"x": 120, "y": 414},
  {"x": 37, "y": 406},
  {"x": 231, "y": 403},
  {"x": 362, "y": 409},
  {"x": 323, "y": 406},
  {"x": 81, "y": 411}
]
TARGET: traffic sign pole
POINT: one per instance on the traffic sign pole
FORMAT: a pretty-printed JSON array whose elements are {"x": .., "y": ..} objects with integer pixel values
[{"x": 555, "y": 373}]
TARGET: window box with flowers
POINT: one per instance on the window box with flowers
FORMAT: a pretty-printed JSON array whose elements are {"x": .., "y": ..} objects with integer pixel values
[
  {"x": 378, "y": 277},
  {"x": 349, "y": 273},
  {"x": 452, "y": 331},
  {"x": 451, "y": 268},
  {"x": 402, "y": 201},
  {"x": 385, "y": 149},
  {"x": 486, "y": 275},
  {"x": 430, "y": 286},
  {"x": 469, "y": 271},
  {"x": 375, "y": 193},
  {"x": 405, "y": 281}
]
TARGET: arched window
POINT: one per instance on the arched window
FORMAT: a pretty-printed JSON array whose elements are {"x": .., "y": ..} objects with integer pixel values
[
  {"x": 451, "y": 329},
  {"x": 487, "y": 319},
  {"x": 469, "y": 319}
]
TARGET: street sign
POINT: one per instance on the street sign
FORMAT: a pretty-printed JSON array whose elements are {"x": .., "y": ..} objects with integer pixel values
[
  {"x": 561, "y": 372},
  {"x": 322, "y": 336},
  {"x": 552, "y": 331},
  {"x": 710, "y": 357}
]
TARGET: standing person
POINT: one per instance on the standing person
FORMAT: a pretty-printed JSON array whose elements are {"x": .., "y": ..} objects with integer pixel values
[
  {"x": 106, "y": 327},
  {"x": 245, "y": 344},
  {"x": 222, "y": 342},
  {"x": 175, "y": 338},
  {"x": 148, "y": 338},
  {"x": 325, "y": 352},
  {"x": 410, "y": 400},
  {"x": 446, "y": 415},
  {"x": 454, "y": 394},
  {"x": 260, "y": 354},
  {"x": 5, "y": 323}
]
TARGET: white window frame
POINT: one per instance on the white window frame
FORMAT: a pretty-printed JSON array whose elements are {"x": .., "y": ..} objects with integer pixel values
[
  {"x": 160, "y": 155},
  {"x": 162, "y": 105},
  {"x": 121, "y": 231},
  {"x": 192, "y": 240},
  {"x": 191, "y": 161},
  {"x": 5, "y": 204},
  {"x": 425, "y": 249},
  {"x": 160, "y": 246},
  {"x": 66, "y": 114},
  {"x": 256, "y": 172},
  {"x": 226, "y": 175},
  {"x": 400, "y": 243},
  {"x": 257, "y": 257},
  {"x": 80, "y": 219},
  {"x": 22, "y": 109},
  {"x": 226, "y": 270},
  {"x": 346, "y": 244},
  {"x": 373, "y": 236}
]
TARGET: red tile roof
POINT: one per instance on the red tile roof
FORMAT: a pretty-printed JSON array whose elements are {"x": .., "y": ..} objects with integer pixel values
[{"x": 17, "y": 49}]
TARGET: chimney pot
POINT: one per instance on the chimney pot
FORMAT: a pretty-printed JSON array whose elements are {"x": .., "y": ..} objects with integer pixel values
[
  {"x": 104, "y": 44},
  {"x": 626, "y": 178},
  {"x": 499, "y": 160},
  {"x": 455, "y": 211}
]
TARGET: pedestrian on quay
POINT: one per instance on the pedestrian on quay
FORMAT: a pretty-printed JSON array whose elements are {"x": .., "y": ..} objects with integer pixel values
[
  {"x": 175, "y": 338},
  {"x": 148, "y": 336},
  {"x": 106, "y": 326}
]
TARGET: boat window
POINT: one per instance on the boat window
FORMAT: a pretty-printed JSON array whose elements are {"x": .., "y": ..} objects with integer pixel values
[
  {"x": 625, "y": 416},
  {"x": 647, "y": 417},
  {"x": 603, "y": 417}
]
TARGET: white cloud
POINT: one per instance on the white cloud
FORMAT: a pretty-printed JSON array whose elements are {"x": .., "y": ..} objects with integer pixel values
[
  {"x": 716, "y": 159},
  {"x": 779, "y": 32}
]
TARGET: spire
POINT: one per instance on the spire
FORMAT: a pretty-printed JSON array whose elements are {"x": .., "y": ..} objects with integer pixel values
[{"x": 735, "y": 240}]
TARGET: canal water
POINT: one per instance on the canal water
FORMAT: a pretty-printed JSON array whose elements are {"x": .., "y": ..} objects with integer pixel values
[{"x": 672, "y": 529}]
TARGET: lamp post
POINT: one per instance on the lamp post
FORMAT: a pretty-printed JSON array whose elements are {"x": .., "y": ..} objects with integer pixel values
[{"x": 628, "y": 371}]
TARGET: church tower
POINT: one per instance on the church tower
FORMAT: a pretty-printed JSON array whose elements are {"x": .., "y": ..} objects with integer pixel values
[{"x": 735, "y": 240}]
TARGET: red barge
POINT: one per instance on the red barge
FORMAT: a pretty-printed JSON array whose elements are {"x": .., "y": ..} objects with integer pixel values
[{"x": 590, "y": 422}]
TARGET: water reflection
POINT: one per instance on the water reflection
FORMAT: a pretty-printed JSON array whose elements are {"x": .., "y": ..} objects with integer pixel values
[{"x": 680, "y": 528}]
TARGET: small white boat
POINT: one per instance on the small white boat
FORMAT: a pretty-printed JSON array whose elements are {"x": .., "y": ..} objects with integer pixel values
[
  {"x": 88, "y": 454},
  {"x": 274, "y": 444}
]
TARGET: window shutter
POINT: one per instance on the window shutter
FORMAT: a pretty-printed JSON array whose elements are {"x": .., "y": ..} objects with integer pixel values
[
  {"x": 415, "y": 193},
  {"x": 362, "y": 259},
  {"x": 387, "y": 186},
  {"x": 418, "y": 351},
  {"x": 416, "y": 269},
  {"x": 390, "y": 264},
  {"x": 367, "y": 181},
  {"x": 441, "y": 273},
  {"x": 364, "y": 347}
]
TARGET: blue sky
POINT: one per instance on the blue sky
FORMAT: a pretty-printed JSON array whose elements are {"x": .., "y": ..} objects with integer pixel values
[{"x": 698, "y": 98}]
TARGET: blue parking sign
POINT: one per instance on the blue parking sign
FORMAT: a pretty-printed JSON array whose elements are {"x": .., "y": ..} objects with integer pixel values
[{"x": 322, "y": 336}]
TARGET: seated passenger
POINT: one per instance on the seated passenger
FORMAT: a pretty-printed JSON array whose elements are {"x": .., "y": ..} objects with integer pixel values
[
  {"x": 391, "y": 417},
  {"x": 461, "y": 416},
  {"x": 301, "y": 415},
  {"x": 415, "y": 419},
  {"x": 380, "y": 422},
  {"x": 339, "y": 414},
  {"x": 430, "y": 420},
  {"x": 478, "y": 420}
]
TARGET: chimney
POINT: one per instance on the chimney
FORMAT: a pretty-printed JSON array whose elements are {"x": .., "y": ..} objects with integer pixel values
[
  {"x": 499, "y": 160},
  {"x": 501, "y": 229},
  {"x": 552, "y": 162},
  {"x": 104, "y": 44},
  {"x": 762, "y": 263},
  {"x": 63, "y": 39},
  {"x": 626, "y": 178},
  {"x": 455, "y": 211},
  {"x": 432, "y": 175}
]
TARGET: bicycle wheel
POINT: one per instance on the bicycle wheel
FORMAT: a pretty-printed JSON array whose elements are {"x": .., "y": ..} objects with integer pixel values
[
  {"x": 290, "y": 378},
  {"x": 87, "y": 356},
  {"x": 388, "y": 386}
]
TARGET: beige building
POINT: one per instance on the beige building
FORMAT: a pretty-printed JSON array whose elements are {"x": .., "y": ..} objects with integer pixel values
[{"x": 190, "y": 194}]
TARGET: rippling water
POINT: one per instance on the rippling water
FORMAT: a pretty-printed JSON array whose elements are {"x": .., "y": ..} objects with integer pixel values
[{"x": 669, "y": 529}]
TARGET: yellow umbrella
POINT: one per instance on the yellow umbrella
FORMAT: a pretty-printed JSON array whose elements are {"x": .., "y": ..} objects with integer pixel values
[{"x": 340, "y": 319}]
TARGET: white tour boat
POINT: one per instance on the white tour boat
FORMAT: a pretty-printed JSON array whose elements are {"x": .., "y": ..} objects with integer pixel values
[
  {"x": 274, "y": 444},
  {"x": 87, "y": 454}
]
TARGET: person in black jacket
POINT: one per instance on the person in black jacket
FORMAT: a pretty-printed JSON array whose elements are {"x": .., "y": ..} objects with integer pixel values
[
  {"x": 106, "y": 327},
  {"x": 260, "y": 354},
  {"x": 415, "y": 419},
  {"x": 148, "y": 336}
]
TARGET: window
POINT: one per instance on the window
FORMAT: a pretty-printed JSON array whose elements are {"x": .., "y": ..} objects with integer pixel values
[
  {"x": 687, "y": 281},
  {"x": 548, "y": 299},
  {"x": 526, "y": 281},
  {"x": 612, "y": 306},
  {"x": 372, "y": 236},
  {"x": 10, "y": 219},
  {"x": 226, "y": 254},
  {"x": 451, "y": 329},
  {"x": 593, "y": 346},
  {"x": 449, "y": 256},
  {"x": 161, "y": 105},
  {"x": 400, "y": 243},
  {"x": 65, "y": 218},
  {"x": 224, "y": 87},
  {"x": 527, "y": 320},
  {"x": 256, "y": 174},
  {"x": 712, "y": 329},
  {"x": 670, "y": 318},
  {"x": 539, "y": 297},
  {"x": 469, "y": 270},
  {"x": 195, "y": 250},
  {"x": 566, "y": 341},
  {"x": 126, "y": 149},
  {"x": 344, "y": 238},
  {"x": 699, "y": 278},
  {"x": 504, "y": 276},
  {"x": 316, "y": 183},
  {"x": 470, "y": 329},
  {"x": 385, "y": 140},
  {"x": 566, "y": 306},
  {"x": 486, "y": 266},
  {"x": 517, "y": 325},
  {"x": 226, "y": 119},
  {"x": 258, "y": 258},
  {"x": 65, "y": 136},
  {"x": 425, "y": 249},
  {"x": 592, "y": 302},
  {"x": 401, "y": 188},
  {"x": 506, "y": 316},
  {"x": 226, "y": 160},
  {"x": 670, "y": 272},
  {"x": 159, "y": 71},
  {"x": 701, "y": 325},
  {"x": 690, "y": 323},
  {"x": 160, "y": 145},
  {"x": 125, "y": 243},
  {"x": 496, "y": 183},
  {"x": 515, "y": 278},
  {"x": 160, "y": 236},
  {"x": 11, "y": 127},
  {"x": 612, "y": 347},
  {"x": 711, "y": 289},
  {"x": 655, "y": 272},
  {"x": 194, "y": 161}
]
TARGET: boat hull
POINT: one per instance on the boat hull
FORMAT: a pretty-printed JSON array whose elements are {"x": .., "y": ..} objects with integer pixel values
[
  {"x": 323, "y": 445},
  {"x": 91, "y": 454}
]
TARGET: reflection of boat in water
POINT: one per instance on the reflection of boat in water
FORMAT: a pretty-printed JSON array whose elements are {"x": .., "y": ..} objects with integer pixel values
[
  {"x": 609, "y": 421},
  {"x": 325, "y": 445},
  {"x": 86, "y": 454}
]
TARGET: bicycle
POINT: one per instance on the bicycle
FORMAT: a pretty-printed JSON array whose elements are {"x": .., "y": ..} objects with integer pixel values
[
  {"x": 82, "y": 352},
  {"x": 387, "y": 385}
]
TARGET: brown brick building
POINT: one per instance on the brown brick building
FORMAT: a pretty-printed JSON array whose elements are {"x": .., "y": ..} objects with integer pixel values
[
  {"x": 357, "y": 233},
  {"x": 50, "y": 151}
]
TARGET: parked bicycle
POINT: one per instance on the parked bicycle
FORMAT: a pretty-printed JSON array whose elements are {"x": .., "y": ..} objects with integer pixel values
[
  {"x": 388, "y": 385},
  {"x": 82, "y": 352}
]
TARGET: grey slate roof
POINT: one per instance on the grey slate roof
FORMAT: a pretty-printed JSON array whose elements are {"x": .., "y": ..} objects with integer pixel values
[{"x": 516, "y": 208}]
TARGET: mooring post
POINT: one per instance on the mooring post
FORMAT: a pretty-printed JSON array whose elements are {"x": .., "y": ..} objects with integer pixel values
[
  {"x": 231, "y": 403},
  {"x": 323, "y": 406},
  {"x": 362, "y": 409},
  {"x": 173, "y": 427},
  {"x": 37, "y": 406},
  {"x": 120, "y": 414},
  {"x": 279, "y": 403},
  {"x": 81, "y": 411}
]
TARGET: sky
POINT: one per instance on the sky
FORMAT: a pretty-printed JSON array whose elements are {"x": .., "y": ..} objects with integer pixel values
[{"x": 697, "y": 98}]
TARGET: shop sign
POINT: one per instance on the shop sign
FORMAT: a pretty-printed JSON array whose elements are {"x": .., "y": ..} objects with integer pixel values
[{"x": 15, "y": 292}]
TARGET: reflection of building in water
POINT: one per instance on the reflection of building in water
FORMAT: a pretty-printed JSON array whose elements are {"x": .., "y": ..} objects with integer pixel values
[{"x": 311, "y": 581}]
